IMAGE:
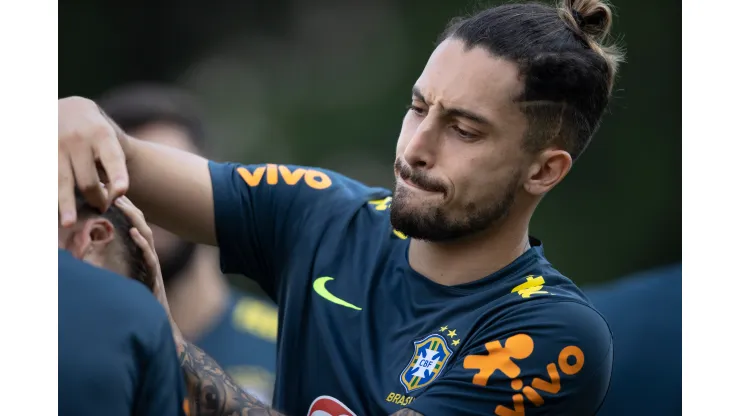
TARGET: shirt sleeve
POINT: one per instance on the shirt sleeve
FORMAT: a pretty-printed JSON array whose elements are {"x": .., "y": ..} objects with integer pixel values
[
  {"x": 552, "y": 358},
  {"x": 162, "y": 387},
  {"x": 265, "y": 214}
]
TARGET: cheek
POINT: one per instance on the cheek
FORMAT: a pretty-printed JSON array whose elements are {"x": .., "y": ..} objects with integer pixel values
[{"x": 476, "y": 176}]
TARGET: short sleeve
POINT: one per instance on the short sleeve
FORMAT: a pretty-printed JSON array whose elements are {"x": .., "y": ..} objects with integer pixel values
[
  {"x": 264, "y": 214},
  {"x": 549, "y": 358},
  {"x": 162, "y": 387}
]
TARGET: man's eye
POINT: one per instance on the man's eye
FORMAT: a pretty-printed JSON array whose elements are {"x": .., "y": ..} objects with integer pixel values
[
  {"x": 463, "y": 133},
  {"x": 416, "y": 110}
]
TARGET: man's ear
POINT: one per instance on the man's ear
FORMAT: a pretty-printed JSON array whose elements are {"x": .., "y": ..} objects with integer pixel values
[
  {"x": 547, "y": 170},
  {"x": 92, "y": 239}
]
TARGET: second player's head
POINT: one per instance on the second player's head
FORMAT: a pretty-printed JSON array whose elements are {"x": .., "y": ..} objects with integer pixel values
[
  {"x": 507, "y": 101},
  {"x": 104, "y": 240},
  {"x": 169, "y": 116}
]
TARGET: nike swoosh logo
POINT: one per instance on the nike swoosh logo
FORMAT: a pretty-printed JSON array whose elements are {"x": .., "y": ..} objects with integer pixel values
[{"x": 319, "y": 285}]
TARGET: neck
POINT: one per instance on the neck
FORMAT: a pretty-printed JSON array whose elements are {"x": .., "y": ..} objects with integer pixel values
[
  {"x": 198, "y": 297},
  {"x": 471, "y": 258}
]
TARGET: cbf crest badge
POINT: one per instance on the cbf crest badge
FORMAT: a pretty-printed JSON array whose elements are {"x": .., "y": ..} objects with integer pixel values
[{"x": 430, "y": 356}]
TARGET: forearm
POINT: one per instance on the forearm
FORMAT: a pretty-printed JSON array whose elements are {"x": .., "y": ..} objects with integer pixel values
[
  {"x": 211, "y": 391},
  {"x": 172, "y": 188}
]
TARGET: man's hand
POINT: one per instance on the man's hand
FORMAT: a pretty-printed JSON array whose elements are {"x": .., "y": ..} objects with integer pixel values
[
  {"x": 211, "y": 391},
  {"x": 144, "y": 238},
  {"x": 90, "y": 152},
  {"x": 172, "y": 186}
]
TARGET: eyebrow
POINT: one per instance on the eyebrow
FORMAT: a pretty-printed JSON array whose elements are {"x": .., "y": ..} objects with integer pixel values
[{"x": 453, "y": 111}]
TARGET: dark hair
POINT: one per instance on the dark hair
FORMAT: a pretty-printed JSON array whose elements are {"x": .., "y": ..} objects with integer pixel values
[
  {"x": 567, "y": 68},
  {"x": 136, "y": 105},
  {"x": 133, "y": 255}
]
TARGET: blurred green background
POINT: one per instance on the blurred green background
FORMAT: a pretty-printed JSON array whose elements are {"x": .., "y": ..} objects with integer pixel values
[{"x": 326, "y": 82}]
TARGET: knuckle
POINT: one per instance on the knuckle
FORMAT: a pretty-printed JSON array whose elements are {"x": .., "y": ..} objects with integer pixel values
[
  {"x": 84, "y": 136},
  {"x": 76, "y": 100},
  {"x": 88, "y": 185},
  {"x": 71, "y": 130},
  {"x": 71, "y": 138},
  {"x": 75, "y": 103},
  {"x": 100, "y": 131}
]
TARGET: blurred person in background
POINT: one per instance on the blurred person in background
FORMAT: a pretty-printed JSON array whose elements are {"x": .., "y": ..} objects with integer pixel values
[
  {"x": 237, "y": 329},
  {"x": 644, "y": 313},
  {"x": 432, "y": 301},
  {"x": 116, "y": 352}
]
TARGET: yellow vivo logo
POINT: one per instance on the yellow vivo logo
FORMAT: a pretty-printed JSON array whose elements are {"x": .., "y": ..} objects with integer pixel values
[
  {"x": 500, "y": 357},
  {"x": 273, "y": 173}
]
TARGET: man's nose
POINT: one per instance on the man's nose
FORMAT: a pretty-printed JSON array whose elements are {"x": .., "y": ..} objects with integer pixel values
[{"x": 421, "y": 152}]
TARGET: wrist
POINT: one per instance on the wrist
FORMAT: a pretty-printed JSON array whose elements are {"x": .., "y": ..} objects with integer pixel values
[
  {"x": 176, "y": 334},
  {"x": 128, "y": 145},
  {"x": 123, "y": 139},
  {"x": 181, "y": 349}
]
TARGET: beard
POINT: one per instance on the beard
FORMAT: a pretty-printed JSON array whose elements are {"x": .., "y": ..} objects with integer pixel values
[
  {"x": 432, "y": 222},
  {"x": 175, "y": 260}
]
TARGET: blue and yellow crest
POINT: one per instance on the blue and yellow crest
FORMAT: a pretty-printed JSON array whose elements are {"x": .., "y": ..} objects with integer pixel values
[{"x": 430, "y": 356}]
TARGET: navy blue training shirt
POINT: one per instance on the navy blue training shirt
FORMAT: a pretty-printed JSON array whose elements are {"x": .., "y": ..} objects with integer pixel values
[
  {"x": 243, "y": 343},
  {"x": 116, "y": 352},
  {"x": 362, "y": 333},
  {"x": 644, "y": 312}
]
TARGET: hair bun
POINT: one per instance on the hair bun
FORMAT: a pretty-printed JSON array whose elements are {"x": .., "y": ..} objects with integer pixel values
[{"x": 592, "y": 17}]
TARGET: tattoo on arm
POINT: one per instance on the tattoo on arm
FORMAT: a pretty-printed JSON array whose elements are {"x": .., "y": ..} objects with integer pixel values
[
  {"x": 407, "y": 412},
  {"x": 211, "y": 392}
]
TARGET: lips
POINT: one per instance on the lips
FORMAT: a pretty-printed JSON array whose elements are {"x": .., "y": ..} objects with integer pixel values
[
  {"x": 417, "y": 179},
  {"x": 420, "y": 182},
  {"x": 415, "y": 185}
]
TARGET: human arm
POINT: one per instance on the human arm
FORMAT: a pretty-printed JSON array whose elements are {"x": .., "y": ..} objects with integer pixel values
[
  {"x": 173, "y": 187},
  {"x": 211, "y": 391},
  {"x": 254, "y": 213}
]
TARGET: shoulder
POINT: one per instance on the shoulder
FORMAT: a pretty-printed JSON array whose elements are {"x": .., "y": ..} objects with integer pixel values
[
  {"x": 100, "y": 290},
  {"x": 546, "y": 312},
  {"x": 564, "y": 343},
  {"x": 296, "y": 178},
  {"x": 540, "y": 285},
  {"x": 557, "y": 321},
  {"x": 312, "y": 196},
  {"x": 548, "y": 300}
]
